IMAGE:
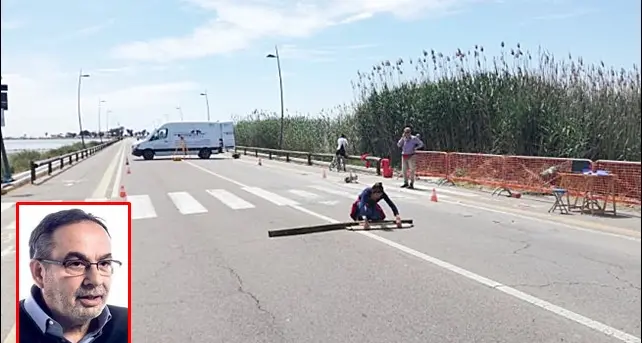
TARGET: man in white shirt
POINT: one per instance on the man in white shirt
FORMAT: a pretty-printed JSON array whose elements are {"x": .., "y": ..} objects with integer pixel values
[{"x": 342, "y": 144}]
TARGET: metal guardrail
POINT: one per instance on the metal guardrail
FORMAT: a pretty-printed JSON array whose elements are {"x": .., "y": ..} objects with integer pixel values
[
  {"x": 310, "y": 156},
  {"x": 37, "y": 167}
]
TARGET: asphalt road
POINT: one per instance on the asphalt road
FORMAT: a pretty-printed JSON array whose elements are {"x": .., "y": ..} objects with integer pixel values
[{"x": 203, "y": 268}]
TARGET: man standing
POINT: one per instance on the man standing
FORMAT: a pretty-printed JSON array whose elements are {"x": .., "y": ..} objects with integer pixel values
[
  {"x": 72, "y": 266},
  {"x": 408, "y": 144}
]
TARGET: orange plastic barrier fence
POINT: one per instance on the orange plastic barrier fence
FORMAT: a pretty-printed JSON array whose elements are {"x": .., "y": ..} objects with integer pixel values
[
  {"x": 432, "y": 164},
  {"x": 628, "y": 177},
  {"x": 527, "y": 173}
]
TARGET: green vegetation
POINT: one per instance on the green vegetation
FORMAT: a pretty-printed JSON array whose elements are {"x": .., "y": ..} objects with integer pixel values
[
  {"x": 20, "y": 161},
  {"x": 516, "y": 103}
]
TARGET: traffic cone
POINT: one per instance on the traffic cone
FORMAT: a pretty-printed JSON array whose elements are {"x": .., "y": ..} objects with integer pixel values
[
  {"x": 128, "y": 170},
  {"x": 260, "y": 162},
  {"x": 126, "y": 161},
  {"x": 433, "y": 197},
  {"x": 323, "y": 174},
  {"x": 123, "y": 194}
]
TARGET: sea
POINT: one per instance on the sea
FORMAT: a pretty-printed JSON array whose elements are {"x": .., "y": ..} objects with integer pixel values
[{"x": 16, "y": 145}]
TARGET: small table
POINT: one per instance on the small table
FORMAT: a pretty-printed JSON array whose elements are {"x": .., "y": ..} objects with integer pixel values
[{"x": 588, "y": 190}]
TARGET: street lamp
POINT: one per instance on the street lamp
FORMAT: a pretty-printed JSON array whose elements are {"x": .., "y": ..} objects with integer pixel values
[
  {"x": 82, "y": 137},
  {"x": 100, "y": 102},
  {"x": 207, "y": 103},
  {"x": 180, "y": 111},
  {"x": 278, "y": 65},
  {"x": 107, "y": 122}
]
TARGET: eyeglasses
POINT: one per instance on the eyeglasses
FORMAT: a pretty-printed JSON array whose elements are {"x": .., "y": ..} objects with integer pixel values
[{"x": 78, "y": 267}]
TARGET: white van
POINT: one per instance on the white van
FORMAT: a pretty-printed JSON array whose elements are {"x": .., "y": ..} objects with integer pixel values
[{"x": 201, "y": 138}]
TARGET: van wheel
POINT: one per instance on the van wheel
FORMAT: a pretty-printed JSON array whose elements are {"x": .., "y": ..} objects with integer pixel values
[
  {"x": 148, "y": 154},
  {"x": 205, "y": 153}
]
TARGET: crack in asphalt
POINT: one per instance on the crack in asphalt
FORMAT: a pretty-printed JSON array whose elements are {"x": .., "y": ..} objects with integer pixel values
[
  {"x": 627, "y": 282},
  {"x": 242, "y": 289},
  {"x": 524, "y": 247}
]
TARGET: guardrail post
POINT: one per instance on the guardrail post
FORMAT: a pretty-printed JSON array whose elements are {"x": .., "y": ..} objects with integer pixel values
[
  {"x": 309, "y": 159},
  {"x": 269, "y": 155},
  {"x": 50, "y": 167},
  {"x": 379, "y": 167},
  {"x": 33, "y": 171},
  {"x": 76, "y": 156},
  {"x": 62, "y": 163},
  {"x": 287, "y": 157},
  {"x": 71, "y": 159},
  {"x": 256, "y": 153}
]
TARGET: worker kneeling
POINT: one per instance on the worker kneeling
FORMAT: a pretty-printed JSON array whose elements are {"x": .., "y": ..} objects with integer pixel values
[{"x": 367, "y": 207}]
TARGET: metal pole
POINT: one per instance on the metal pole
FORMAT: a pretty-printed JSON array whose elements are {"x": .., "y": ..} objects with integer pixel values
[
  {"x": 82, "y": 137},
  {"x": 6, "y": 177},
  {"x": 207, "y": 103},
  {"x": 278, "y": 64},
  {"x": 99, "y": 106}
]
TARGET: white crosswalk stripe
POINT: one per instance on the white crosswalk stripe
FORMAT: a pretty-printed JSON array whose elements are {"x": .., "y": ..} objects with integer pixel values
[
  {"x": 232, "y": 201},
  {"x": 185, "y": 203},
  {"x": 7, "y": 205},
  {"x": 303, "y": 194},
  {"x": 142, "y": 207},
  {"x": 271, "y": 197}
]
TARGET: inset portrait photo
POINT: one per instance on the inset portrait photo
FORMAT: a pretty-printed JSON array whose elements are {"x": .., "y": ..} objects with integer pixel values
[{"x": 73, "y": 265}]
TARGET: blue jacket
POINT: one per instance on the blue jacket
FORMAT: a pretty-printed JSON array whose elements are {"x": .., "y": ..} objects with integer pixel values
[{"x": 366, "y": 200}]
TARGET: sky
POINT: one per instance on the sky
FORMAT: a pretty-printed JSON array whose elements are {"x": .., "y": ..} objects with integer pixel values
[{"x": 147, "y": 58}]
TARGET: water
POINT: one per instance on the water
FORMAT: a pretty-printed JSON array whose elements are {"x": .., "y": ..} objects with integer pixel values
[{"x": 16, "y": 145}]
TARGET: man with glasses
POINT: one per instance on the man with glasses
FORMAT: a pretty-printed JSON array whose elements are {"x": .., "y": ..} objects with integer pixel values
[{"x": 72, "y": 266}]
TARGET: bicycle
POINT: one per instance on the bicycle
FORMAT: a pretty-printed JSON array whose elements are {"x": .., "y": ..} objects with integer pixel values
[{"x": 337, "y": 162}]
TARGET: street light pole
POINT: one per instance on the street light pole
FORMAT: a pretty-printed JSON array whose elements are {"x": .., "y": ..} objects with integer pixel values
[
  {"x": 278, "y": 65},
  {"x": 207, "y": 103},
  {"x": 82, "y": 137},
  {"x": 100, "y": 102},
  {"x": 107, "y": 121},
  {"x": 180, "y": 111}
]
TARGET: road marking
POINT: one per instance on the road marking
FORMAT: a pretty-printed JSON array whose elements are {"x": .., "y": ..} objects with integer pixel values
[
  {"x": 185, "y": 203},
  {"x": 101, "y": 189},
  {"x": 560, "y": 311},
  {"x": 11, "y": 336},
  {"x": 334, "y": 191},
  {"x": 142, "y": 207},
  {"x": 269, "y": 196},
  {"x": 97, "y": 200},
  {"x": 329, "y": 202},
  {"x": 303, "y": 194},
  {"x": 6, "y": 206},
  {"x": 8, "y": 238},
  {"x": 229, "y": 199},
  {"x": 115, "y": 191}
]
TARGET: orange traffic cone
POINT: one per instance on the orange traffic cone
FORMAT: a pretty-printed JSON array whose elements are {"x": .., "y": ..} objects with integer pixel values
[
  {"x": 128, "y": 170},
  {"x": 433, "y": 197},
  {"x": 123, "y": 194},
  {"x": 260, "y": 162}
]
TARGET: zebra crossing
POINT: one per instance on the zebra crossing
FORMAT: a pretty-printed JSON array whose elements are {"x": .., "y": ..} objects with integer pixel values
[{"x": 144, "y": 206}]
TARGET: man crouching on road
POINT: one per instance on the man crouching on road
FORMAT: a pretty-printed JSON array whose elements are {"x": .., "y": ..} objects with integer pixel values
[
  {"x": 72, "y": 266},
  {"x": 367, "y": 208}
]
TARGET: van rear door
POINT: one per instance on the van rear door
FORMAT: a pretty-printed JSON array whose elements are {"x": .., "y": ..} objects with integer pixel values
[{"x": 228, "y": 135}]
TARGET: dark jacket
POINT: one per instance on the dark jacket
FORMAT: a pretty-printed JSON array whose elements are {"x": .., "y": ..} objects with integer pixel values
[{"x": 115, "y": 331}]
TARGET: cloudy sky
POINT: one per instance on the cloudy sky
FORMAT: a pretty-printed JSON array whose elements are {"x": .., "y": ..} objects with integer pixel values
[{"x": 145, "y": 58}]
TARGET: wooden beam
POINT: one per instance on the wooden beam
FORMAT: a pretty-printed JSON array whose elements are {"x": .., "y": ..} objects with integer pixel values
[{"x": 327, "y": 227}]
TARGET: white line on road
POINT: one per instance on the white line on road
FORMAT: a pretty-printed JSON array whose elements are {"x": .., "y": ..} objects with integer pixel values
[
  {"x": 142, "y": 207},
  {"x": 6, "y": 206},
  {"x": 229, "y": 199},
  {"x": 96, "y": 200},
  {"x": 303, "y": 194},
  {"x": 8, "y": 238},
  {"x": 590, "y": 323},
  {"x": 334, "y": 191},
  {"x": 271, "y": 197},
  {"x": 115, "y": 191},
  {"x": 185, "y": 203},
  {"x": 101, "y": 189}
]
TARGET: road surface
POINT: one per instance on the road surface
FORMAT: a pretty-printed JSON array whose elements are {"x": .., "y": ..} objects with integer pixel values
[{"x": 471, "y": 270}]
